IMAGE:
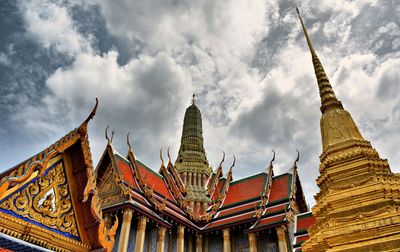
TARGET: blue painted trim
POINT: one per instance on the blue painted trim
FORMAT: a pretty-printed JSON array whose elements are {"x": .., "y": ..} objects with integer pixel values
[{"x": 32, "y": 221}]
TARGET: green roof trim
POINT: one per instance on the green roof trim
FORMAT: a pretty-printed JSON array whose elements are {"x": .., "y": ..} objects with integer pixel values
[
  {"x": 250, "y": 177},
  {"x": 120, "y": 157},
  {"x": 304, "y": 215},
  {"x": 301, "y": 232},
  {"x": 148, "y": 168}
]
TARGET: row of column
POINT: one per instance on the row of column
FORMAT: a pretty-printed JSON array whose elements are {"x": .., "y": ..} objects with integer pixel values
[
  {"x": 126, "y": 229},
  {"x": 281, "y": 233},
  {"x": 141, "y": 229}
]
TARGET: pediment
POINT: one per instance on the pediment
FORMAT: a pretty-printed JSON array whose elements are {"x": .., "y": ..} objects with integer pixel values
[{"x": 45, "y": 201}]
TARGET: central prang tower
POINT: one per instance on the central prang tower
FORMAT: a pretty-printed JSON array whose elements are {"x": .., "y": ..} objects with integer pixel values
[{"x": 191, "y": 163}]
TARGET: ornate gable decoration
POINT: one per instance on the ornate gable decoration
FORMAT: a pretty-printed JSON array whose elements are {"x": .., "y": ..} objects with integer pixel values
[
  {"x": 38, "y": 198},
  {"x": 46, "y": 201}
]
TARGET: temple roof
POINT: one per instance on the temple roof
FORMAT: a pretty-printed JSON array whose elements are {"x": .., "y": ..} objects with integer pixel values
[
  {"x": 252, "y": 200},
  {"x": 46, "y": 193},
  {"x": 303, "y": 221}
]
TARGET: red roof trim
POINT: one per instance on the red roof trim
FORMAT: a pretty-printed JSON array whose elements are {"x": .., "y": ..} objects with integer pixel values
[
  {"x": 268, "y": 222},
  {"x": 303, "y": 222},
  {"x": 230, "y": 221},
  {"x": 237, "y": 209}
]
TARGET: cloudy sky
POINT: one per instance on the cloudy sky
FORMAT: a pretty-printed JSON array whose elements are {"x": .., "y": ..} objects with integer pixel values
[{"x": 246, "y": 60}]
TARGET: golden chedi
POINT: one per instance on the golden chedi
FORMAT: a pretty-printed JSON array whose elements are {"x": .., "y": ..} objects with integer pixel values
[{"x": 357, "y": 208}]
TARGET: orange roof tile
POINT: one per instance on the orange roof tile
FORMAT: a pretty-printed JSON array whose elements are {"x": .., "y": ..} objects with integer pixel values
[
  {"x": 154, "y": 180},
  {"x": 125, "y": 170},
  {"x": 304, "y": 221},
  {"x": 245, "y": 189},
  {"x": 280, "y": 188},
  {"x": 237, "y": 209}
]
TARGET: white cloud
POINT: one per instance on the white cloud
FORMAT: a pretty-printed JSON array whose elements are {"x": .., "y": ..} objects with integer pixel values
[
  {"x": 50, "y": 24},
  {"x": 208, "y": 47},
  {"x": 142, "y": 96}
]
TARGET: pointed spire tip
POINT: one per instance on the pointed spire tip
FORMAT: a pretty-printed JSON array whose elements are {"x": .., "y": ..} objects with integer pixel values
[{"x": 193, "y": 99}]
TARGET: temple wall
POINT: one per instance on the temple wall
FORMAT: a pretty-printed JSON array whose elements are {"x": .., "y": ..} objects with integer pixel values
[
  {"x": 216, "y": 242},
  {"x": 150, "y": 242},
  {"x": 239, "y": 241},
  {"x": 132, "y": 236},
  {"x": 267, "y": 240},
  {"x": 172, "y": 241}
]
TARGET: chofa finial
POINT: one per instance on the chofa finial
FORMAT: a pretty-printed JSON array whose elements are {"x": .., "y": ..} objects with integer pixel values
[
  {"x": 106, "y": 134},
  {"x": 109, "y": 140},
  {"x": 127, "y": 140},
  {"x": 297, "y": 159},
  {"x": 169, "y": 156},
  {"x": 272, "y": 160},
  {"x": 234, "y": 162},
  {"x": 83, "y": 126},
  {"x": 161, "y": 157},
  {"x": 223, "y": 159}
]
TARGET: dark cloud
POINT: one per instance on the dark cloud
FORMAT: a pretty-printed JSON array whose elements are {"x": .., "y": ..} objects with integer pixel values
[{"x": 247, "y": 61}]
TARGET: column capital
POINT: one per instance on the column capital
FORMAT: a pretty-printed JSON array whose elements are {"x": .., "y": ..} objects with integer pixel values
[
  {"x": 181, "y": 231},
  {"x": 161, "y": 233},
  {"x": 227, "y": 239},
  {"x": 226, "y": 233},
  {"x": 160, "y": 238},
  {"x": 180, "y": 241},
  {"x": 140, "y": 233},
  {"x": 142, "y": 221},
  {"x": 281, "y": 233},
  {"x": 252, "y": 242},
  {"x": 125, "y": 230},
  {"x": 127, "y": 214}
]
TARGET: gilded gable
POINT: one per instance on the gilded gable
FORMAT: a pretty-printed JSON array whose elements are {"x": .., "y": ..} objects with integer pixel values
[{"x": 45, "y": 200}]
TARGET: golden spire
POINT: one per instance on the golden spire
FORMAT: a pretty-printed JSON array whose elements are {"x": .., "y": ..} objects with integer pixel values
[
  {"x": 328, "y": 97},
  {"x": 337, "y": 126}
]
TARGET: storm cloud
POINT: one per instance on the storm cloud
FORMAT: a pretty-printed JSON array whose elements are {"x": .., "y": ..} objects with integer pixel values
[{"x": 246, "y": 60}]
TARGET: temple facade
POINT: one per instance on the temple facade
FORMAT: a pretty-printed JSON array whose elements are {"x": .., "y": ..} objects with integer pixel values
[
  {"x": 57, "y": 201},
  {"x": 186, "y": 206},
  {"x": 50, "y": 201}
]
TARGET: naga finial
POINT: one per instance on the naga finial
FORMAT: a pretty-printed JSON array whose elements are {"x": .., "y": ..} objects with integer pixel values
[
  {"x": 106, "y": 134},
  {"x": 83, "y": 126},
  {"x": 234, "y": 162},
  {"x": 112, "y": 135},
  {"x": 169, "y": 156},
  {"x": 223, "y": 159},
  {"x": 127, "y": 140},
  {"x": 297, "y": 159},
  {"x": 162, "y": 160},
  {"x": 272, "y": 160}
]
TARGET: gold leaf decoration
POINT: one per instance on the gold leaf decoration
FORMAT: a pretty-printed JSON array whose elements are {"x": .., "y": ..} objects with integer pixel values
[{"x": 45, "y": 200}]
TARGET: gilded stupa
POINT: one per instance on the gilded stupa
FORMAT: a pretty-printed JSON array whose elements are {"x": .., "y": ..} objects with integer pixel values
[
  {"x": 358, "y": 205},
  {"x": 191, "y": 163}
]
